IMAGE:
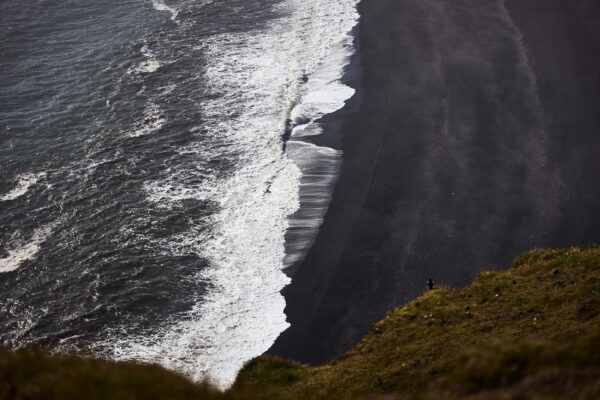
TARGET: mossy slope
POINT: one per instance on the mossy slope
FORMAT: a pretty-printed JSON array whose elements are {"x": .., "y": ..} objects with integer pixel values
[
  {"x": 530, "y": 332},
  {"x": 537, "y": 322}
]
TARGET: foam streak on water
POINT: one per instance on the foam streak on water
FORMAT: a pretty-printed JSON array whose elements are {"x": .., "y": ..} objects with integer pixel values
[
  {"x": 260, "y": 81},
  {"x": 23, "y": 185},
  {"x": 161, "y": 6},
  {"x": 24, "y": 251}
]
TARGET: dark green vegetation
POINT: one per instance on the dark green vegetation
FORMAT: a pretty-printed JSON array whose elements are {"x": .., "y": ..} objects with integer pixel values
[
  {"x": 530, "y": 332},
  {"x": 29, "y": 374}
]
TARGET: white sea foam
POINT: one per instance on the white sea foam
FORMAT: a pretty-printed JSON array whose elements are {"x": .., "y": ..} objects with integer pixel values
[
  {"x": 25, "y": 182},
  {"x": 257, "y": 79},
  {"x": 152, "y": 120},
  {"x": 150, "y": 63},
  {"x": 161, "y": 6},
  {"x": 24, "y": 251}
]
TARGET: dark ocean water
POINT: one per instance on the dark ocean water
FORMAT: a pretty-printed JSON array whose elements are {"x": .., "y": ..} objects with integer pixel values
[{"x": 144, "y": 190}]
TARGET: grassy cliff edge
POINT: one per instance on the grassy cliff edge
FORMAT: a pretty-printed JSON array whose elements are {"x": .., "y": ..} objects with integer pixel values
[{"x": 532, "y": 331}]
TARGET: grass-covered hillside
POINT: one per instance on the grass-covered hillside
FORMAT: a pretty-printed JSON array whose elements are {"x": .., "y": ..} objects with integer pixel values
[{"x": 530, "y": 332}]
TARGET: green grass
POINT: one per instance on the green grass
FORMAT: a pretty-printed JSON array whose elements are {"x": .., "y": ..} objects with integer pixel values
[
  {"x": 30, "y": 374},
  {"x": 540, "y": 316},
  {"x": 532, "y": 331}
]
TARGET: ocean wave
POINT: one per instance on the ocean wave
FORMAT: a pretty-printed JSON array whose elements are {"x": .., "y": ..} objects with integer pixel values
[
  {"x": 320, "y": 168},
  {"x": 242, "y": 314}
]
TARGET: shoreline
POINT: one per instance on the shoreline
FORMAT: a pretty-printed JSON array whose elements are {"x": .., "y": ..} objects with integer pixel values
[
  {"x": 462, "y": 148},
  {"x": 331, "y": 139}
]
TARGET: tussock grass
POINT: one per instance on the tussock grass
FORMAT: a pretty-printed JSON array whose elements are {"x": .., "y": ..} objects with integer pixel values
[{"x": 30, "y": 374}]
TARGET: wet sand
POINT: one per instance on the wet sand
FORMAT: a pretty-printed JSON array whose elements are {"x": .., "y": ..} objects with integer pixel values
[{"x": 474, "y": 136}]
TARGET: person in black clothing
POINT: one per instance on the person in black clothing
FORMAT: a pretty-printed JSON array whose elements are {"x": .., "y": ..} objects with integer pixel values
[{"x": 430, "y": 284}]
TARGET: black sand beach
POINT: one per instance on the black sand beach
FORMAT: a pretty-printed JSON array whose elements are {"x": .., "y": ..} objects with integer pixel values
[{"x": 474, "y": 136}]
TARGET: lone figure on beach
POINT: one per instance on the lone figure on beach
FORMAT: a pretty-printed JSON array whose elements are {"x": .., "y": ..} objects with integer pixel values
[{"x": 430, "y": 283}]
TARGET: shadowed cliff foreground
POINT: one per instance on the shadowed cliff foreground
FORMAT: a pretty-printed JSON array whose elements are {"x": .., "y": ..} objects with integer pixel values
[{"x": 531, "y": 332}]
